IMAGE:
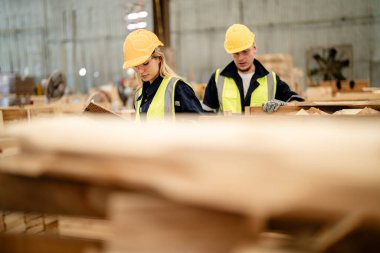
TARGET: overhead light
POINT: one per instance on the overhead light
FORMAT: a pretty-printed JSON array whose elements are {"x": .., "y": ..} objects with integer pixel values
[
  {"x": 133, "y": 16},
  {"x": 136, "y": 15},
  {"x": 143, "y": 14},
  {"x": 82, "y": 72},
  {"x": 141, "y": 25},
  {"x": 96, "y": 74},
  {"x": 131, "y": 27},
  {"x": 137, "y": 26}
]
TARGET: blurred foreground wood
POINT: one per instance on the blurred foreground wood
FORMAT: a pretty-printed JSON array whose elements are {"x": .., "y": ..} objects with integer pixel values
[{"x": 247, "y": 184}]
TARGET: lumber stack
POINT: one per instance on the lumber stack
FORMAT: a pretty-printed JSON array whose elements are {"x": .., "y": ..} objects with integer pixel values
[
  {"x": 354, "y": 90},
  {"x": 358, "y": 108},
  {"x": 219, "y": 185},
  {"x": 282, "y": 65},
  {"x": 27, "y": 223}
]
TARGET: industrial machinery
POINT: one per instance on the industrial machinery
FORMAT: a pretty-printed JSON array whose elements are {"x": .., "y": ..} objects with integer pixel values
[
  {"x": 329, "y": 64},
  {"x": 56, "y": 86}
]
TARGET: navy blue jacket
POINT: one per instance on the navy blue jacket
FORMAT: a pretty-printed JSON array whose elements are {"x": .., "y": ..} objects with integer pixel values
[
  {"x": 283, "y": 91},
  {"x": 185, "y": 99}
]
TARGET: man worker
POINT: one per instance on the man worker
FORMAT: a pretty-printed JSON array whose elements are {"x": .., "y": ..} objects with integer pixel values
[{"x": 245, "y": 81}]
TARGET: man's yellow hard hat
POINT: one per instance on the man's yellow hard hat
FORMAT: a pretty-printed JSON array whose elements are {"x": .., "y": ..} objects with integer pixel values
[
  {"x": 138, "y": 47},
  {"x": 238, "y": 38}
]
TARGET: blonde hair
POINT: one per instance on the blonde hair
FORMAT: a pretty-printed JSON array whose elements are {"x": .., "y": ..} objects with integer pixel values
[{"x": 165, "y": 70}]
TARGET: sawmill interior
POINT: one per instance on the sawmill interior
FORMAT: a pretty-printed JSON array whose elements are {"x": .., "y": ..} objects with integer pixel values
[{"x": 195, "y": 126}]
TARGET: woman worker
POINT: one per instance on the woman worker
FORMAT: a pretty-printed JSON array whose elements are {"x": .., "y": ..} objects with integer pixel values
[{"x": 163, "y": 93}]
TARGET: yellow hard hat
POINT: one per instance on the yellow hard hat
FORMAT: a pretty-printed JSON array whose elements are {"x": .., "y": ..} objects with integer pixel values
[
  {"x": 138, "y": 47},
  {"x": 238, "y": 38}
]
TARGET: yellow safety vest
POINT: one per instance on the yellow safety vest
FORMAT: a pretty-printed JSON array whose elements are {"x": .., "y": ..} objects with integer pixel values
[
  {"x": 162, "y": 105},
  {"x": 229, "y": 95}
]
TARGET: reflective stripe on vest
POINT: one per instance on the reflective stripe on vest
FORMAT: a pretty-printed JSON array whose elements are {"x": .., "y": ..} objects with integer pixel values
[
  {"x": 229, "y": 95},
  {"x": 270, "y": 84},
  {"x": 219, "y": 80},
  {"x": 162, "y": 105}
]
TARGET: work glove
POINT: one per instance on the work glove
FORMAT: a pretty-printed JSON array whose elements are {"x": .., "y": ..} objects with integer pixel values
[{"x": 273, "y": 105}]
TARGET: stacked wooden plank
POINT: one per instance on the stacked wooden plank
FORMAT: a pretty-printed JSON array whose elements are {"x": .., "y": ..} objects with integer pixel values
[
  {"x": 322, "y": 108},
  {"x": 27, "y": 223},
  {"x": 355, "y": 90},
  {"x": 26, "y": 113},
  {"x": 1, "y": 120},
  {"x": 14, "y": 114},
  {"x": 14, "y": 222},
  {"x": 219, "y": 185},
  {"x": 2, "y": 222},
  {"x": 282, "y": 65},
  {"x": 345, "y": 85}
]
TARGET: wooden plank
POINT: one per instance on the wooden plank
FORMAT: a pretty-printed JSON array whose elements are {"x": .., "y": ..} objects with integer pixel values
[
  {"x": 28, "y": 223},
  {"x": 85, "y": 227},
  {"x": 164, "y": 162},
  {"x": 14, "y": 222},
  {"x": 1, "y": 120},
  {"x": 13, "y": 114},
  {"x": 17, "y": 243},
  {"x": 41, "y": 111},
  {"x": 8, "y": 146},
  {"x": 192, "y": 185},
  {"x": 345, "y": 87},
  {"x": 258, "y": 110},
  {"x": 52, "y": 196},
  {"x": 96, "y": 108},
  {"x": 69, "y": 108},
  {"x": 326, "y": 106},
  {"x": 2, "y": 223},
  {"x": 143, "y": 223},
  {"x": 340, "y": 96}
]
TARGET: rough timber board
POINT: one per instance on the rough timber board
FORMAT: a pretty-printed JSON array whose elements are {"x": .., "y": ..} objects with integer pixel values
[
  {"x": 93, "y": 107},
  {"x": 18, "y": 243},
  {"x": 326, "y": 179},
  {"x": 13, "y": 114},
  {"x": 1, "y": 120},
  {"x": 51, "y": 196},
  {"x": 331, "y": 149},
  {"x": 162, "y": 226},
  {"x": 326, "y": 106}
]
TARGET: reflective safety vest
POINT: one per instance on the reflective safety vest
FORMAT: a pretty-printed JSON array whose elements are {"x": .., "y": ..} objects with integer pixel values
[
  {"x": 229, "y": 95},
  {"x": 162, "y": 105}
]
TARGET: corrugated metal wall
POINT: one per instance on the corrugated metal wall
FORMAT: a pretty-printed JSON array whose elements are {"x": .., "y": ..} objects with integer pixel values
[
  {"x": 286, "y": 26},
  {"x": 40, "y": 36}
]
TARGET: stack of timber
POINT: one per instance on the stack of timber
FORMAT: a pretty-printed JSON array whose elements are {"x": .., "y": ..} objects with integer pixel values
[
  {"x": 358, "y": 108},
  {"x": 27, "y": 223},
  {"x": 344, "y": 90},
  {"x": 252, "y": 184},
  {"x": 59, "y": 108},
  {"x": 282, "y": 65},
  {"x": 27, "y": 113}
]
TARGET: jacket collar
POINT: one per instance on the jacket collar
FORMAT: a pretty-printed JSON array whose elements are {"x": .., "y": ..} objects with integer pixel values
[
  {"x": 231, "y": 70},
  {"x": 151, "y": 88}
]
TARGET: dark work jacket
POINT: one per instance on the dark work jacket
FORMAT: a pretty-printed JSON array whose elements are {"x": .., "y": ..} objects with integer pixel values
[
  {"x": 185, "y": 99},
  {"x": 283, "y": 91}
]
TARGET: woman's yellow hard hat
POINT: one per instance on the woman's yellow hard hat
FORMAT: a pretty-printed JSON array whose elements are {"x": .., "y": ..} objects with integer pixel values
[
  {"x": 238, "y": 38},
  {"x": 138, "y": 47}
]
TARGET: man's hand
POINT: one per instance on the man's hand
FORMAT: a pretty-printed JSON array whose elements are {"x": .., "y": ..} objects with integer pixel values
[{"x": 273, "y": 105}]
